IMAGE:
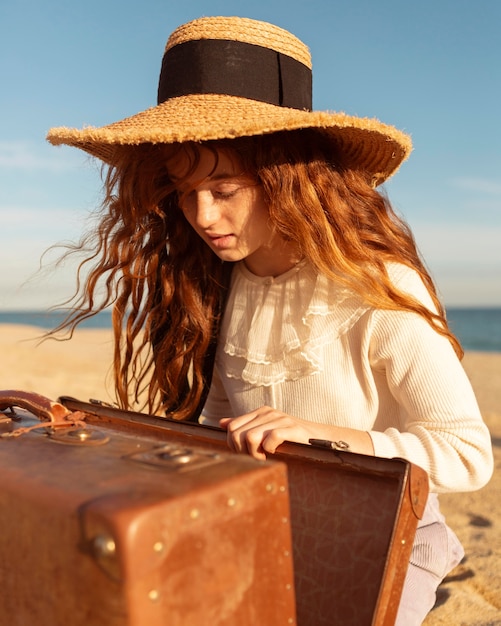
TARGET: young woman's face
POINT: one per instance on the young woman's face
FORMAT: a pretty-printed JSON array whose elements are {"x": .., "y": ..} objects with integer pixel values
[{"x": 227, "y": 209}]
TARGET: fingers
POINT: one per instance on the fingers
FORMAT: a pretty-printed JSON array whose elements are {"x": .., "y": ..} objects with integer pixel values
[
  {"x": 261, "y": 431},
  {"x": 245, "y": 434}
]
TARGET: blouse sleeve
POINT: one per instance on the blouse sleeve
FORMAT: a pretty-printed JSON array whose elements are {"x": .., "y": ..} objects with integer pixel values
[{"x": 441, "y": 428}]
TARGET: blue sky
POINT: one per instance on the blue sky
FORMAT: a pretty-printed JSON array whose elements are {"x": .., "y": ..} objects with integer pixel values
[{"x": 431, "y": 68}]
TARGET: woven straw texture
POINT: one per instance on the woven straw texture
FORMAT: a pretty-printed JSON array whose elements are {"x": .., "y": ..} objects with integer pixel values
[
  {"x": 370, "y": 145},
  {"x": 247, "y": 31}
]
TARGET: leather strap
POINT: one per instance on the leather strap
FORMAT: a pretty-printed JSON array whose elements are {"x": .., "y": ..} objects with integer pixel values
[
  {"x": 52, "y": 415},
  {"x": 43, "y": 408}
]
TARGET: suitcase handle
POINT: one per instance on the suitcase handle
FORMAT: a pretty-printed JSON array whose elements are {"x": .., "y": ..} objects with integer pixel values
[
  {"x": 43, "y": 408},
  {"x": 53, "y": 416}
]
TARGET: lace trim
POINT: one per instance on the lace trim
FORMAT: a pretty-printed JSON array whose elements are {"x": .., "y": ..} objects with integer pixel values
[{"x": 275, "y": 329}]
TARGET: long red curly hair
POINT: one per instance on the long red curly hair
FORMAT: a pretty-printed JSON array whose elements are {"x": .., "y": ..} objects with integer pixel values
[{"x": 165, "y": 284}]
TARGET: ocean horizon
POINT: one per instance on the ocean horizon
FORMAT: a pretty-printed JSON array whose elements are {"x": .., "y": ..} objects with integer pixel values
[{"x": 478, "y": 329}]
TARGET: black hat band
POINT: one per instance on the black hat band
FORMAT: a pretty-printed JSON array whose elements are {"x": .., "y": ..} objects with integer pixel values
[{"x": 235, "y": 68}]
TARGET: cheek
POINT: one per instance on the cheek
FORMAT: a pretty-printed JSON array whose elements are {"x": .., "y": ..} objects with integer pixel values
[
  {"x": 261, "y": 215},
  {"x": 257, "y": 204}
]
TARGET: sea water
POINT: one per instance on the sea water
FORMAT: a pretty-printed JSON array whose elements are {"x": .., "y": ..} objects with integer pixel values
[
  {"x": 52, "y": 319},
  {"x": 477, "y": 329}
]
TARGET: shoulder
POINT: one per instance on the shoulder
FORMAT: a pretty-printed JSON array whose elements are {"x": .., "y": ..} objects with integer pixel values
[
  {"x": 397, "y": 330},
  {"x": 408, "y": 281}
]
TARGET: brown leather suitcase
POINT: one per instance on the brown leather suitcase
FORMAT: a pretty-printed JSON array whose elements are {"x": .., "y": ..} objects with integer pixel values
[
  {"x": 353, "y": 519},
  {"x": 122, "y": 528}
]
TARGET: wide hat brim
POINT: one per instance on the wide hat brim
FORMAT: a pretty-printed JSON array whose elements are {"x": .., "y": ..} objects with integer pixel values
[{"x": 368, "y": 144}]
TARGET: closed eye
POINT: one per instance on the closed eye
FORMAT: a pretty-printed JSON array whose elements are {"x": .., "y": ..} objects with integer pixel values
[
  {"x": 219, "y": 190},
  {"x": 225, "y": 193}
]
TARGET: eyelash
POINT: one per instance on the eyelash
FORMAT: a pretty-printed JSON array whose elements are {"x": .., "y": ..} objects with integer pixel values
[
  {"x": 183, "y": 197},
  {"x": 225, "y": 194}
]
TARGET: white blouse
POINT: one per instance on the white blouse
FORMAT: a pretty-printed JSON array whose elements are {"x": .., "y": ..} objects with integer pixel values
[{"x": 305, "y": 345}]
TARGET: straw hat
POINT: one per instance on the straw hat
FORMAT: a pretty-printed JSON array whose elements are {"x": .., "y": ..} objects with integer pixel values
[{"x": 227, "y": 77}]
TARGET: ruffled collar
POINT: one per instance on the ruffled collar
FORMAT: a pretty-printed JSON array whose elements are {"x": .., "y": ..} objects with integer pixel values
[{"x": 275, "y": 329}]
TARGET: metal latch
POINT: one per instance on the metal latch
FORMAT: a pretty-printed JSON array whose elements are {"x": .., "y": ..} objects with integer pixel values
[
  {"x": 176, "y": 458},
  {"x": 79, "y": 436}
]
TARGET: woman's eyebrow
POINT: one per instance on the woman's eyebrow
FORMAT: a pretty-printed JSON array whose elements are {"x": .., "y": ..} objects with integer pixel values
[
  {"x": 210, "y": 178},
  {"x": 223, "y": 175}
]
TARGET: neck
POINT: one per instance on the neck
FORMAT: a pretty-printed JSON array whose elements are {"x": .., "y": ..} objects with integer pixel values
[{"x": 274, "y": 261}]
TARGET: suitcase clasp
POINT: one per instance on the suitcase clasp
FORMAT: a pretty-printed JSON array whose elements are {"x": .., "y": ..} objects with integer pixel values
[
  {"x": 176, "y": 458},
  {"x": 79, "y": 436}
]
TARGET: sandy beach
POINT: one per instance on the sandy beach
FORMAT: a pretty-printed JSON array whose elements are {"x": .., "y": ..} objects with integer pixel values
[{"x": 470, "y": 596}]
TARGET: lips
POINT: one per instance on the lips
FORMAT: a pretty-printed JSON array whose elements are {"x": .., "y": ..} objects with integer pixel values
[{"x": 221, "y": 241}]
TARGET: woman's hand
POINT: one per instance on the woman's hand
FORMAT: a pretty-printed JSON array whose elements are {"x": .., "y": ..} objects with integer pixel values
[{"x": 264, "y": 429}]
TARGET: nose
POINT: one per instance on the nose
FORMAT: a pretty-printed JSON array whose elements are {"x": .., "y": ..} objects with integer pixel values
[{"x": 201, "y": 209}]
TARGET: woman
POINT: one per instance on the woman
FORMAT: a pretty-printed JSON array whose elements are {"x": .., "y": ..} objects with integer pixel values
[{"x": 240, "y": 227}]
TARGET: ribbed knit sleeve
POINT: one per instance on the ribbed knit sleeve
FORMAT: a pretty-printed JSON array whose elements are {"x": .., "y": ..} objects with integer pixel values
[{"x": 440, "y": 426}]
